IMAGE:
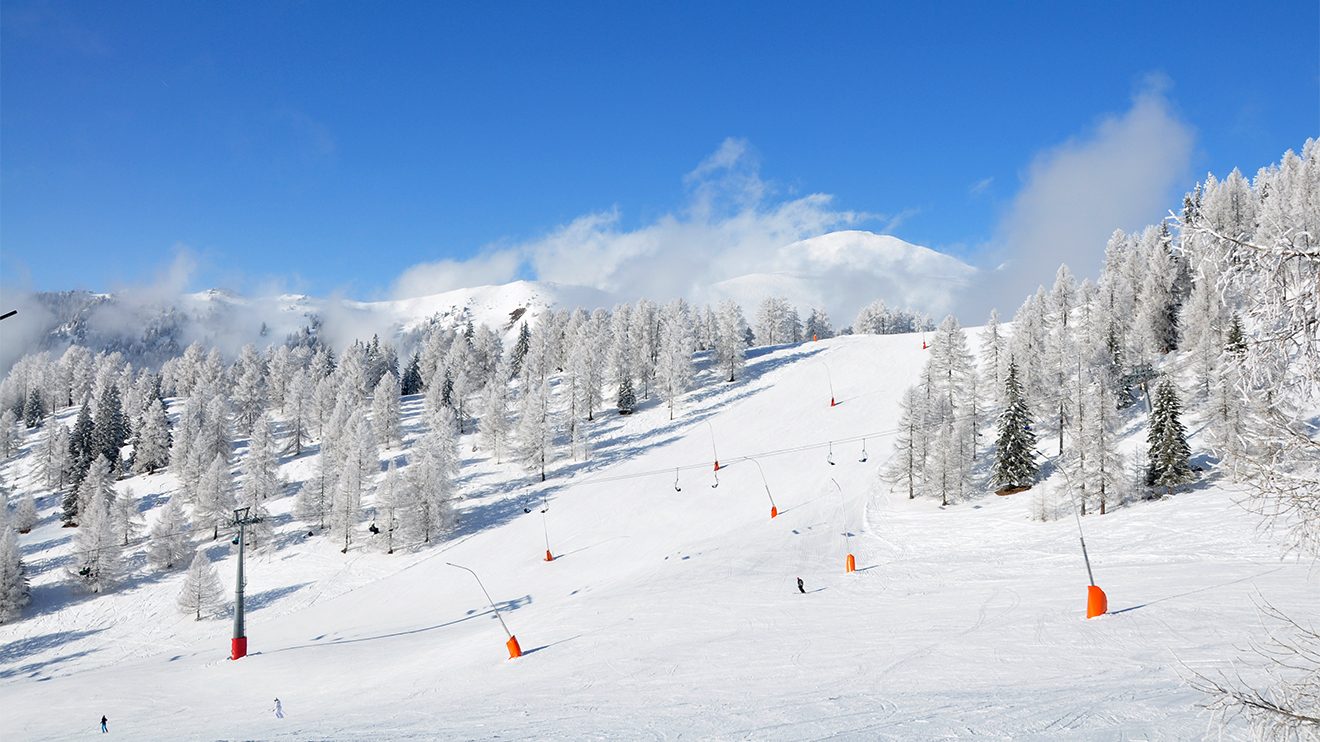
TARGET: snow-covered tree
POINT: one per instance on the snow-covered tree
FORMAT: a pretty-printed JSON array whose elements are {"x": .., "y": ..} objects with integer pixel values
[
  {"x": 34, "y": 409},
  {"x": 586, "y": 364},
  {"x": 82, "y": 448},
  {"x": 110, "y": 430},
  {"x": 55, "y": 457},
  {"x": 9, "y": 437},
  {"x": 493, "y": 424},
  {"x": 126, "y": 514},
  {"x": 391, "y": 502},
  {"x": 386, "y": 414},
  {"x": 818, "y": 325},
  {"x": 412, "y": 377},
  {"x": 151, "y": 440},
  {"x": 520, "y": 349},
  {"x": 168, "y": 544},
  {"x": 14, "y": 591},
  {"x": 1015, "y": 448},
  {"x": 202, "y": 593},
  {"x": 316, "y": 495},
  {"x": 359, "y": 464},
  {"x": 250, "y": 395},
  {"x": 431, "y": 478},
  {"x": 730, "y": 345},
  {"x": 1103, "y": 468},
  {"x": 626, "y": 400},
  {"x": 299, "y": 404},
  {"x": 772, "y": 321},
  {"x": 25, "y": 513},
  {"x": 1168, "y": 457},
  {"x": 674, "y": 366},
  {"x": 258, "y": 471},
  {"x": 215, "y": 497},
  {"x": 97, "y": 486},
  {"x": 906, "y": 468},
  {"x": 96, "y": 560},
  {"x": 994, "y": 351}
]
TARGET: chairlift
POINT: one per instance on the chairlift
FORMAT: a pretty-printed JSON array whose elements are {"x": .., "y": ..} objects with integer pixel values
[
  {"x": 830, "y": 456},
  {"x": 676, "y": 487},
  {"x": 234, "y": 541},
  {"x": 864, "y": 457},
  {"x": 85, "y": 571},
  {"x": 715, "y": 474},
  {"x": 373, "y": 528}
]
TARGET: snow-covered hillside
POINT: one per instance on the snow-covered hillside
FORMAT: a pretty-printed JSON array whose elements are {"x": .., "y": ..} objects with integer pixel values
[
  {"x": 671, "y": 608},
  {"x": 827, "y": 270}
]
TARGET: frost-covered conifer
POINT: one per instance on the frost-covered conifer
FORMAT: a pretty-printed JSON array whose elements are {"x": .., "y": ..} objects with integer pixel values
[
  {"x": 730, "y": 345},
  {"x": 96, "y": 560},
  {"x": 25, "y": 513},
  {"x": 202, "y": 593},
  {"x": 14, "y": 591},
  {"x": 994, "y": 351},
  {"x": 1015, "y": 454},
  {"x": 359, "y": 464},
  {"x": 674, "y": 368},
  {"x": 250, "y": 394},
  {"x": 494, "y": 422},
  {"x": 298, "y": 403},
  {"x": 168, "y": 545},
  {"x": 98, "y": 485},
  {"x": 82, "y": 447},
  {"x": 55, "y": 458},
  {"x": 215, "y": 497},
  {"x": 391, "y": 502},
  {"x": 1103, "y": 470},
  {"x": 818, "y": 325},
  {"x": 151, "y": 441},
  {"x": 110, "y": 430},
  {"x": 1168, "y": 456},
  {"x": 431, "y": 479},
  {"x": 386, "y": 414},
  {"x": 34, "y": 409},
  {"x": 906, "y": 467},
  {"x": 126, "y": 514},
  {"x": 412, "y": 377}
]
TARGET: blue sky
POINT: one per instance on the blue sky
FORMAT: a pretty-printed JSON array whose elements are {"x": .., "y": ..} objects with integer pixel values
[{"x": 329, "y": 146}]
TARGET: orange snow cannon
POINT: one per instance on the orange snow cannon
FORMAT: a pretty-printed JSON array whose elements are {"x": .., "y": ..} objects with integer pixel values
[
  {"x": 515, "y": 651},
  {"x": 1096, "y": 602},
  {"x": 850, "y": 564}
]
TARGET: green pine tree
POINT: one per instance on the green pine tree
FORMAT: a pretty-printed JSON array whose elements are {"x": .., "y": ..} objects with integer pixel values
[
  {"x": 1015, "y": 454},
  {"x": 1237, "y": 341},
  {"x": 520, "y": 349},
  {"x": 627, "y": 397},
  {"x": 1169, "y": 455},
  {"x": 111, "y": 430}
]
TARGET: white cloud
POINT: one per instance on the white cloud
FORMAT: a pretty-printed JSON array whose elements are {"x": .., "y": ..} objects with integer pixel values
[
  {"x": 490, "y": 267},
  {"x": 981, "y": 186},
  {"x": 1120, "y": 175},
  {"x": 730, "y": 224}
]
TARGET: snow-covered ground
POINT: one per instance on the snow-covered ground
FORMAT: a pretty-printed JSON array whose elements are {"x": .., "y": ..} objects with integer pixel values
[{"x": 676, "y": 613}]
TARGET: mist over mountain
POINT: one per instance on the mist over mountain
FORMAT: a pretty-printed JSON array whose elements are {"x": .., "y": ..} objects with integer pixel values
[{"x": 838, "y": 272}]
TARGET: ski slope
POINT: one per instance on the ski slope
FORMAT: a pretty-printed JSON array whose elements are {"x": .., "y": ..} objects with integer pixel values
[{"x": 676, "y": 613}]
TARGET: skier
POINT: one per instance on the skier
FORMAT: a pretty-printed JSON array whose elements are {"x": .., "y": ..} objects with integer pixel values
[
  {"x": 279, "y": 710},
  {"x": 801, "y": 589},
  {"x": 104, "y": 720}
]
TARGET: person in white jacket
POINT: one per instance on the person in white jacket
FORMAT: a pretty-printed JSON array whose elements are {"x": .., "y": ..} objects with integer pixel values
[{"x": 279, "y": 709}]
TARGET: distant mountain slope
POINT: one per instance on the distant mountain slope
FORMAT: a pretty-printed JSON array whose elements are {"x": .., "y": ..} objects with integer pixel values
[
  {"x": 842, "y": 271},
  {"x": 839, "y": 271}
]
